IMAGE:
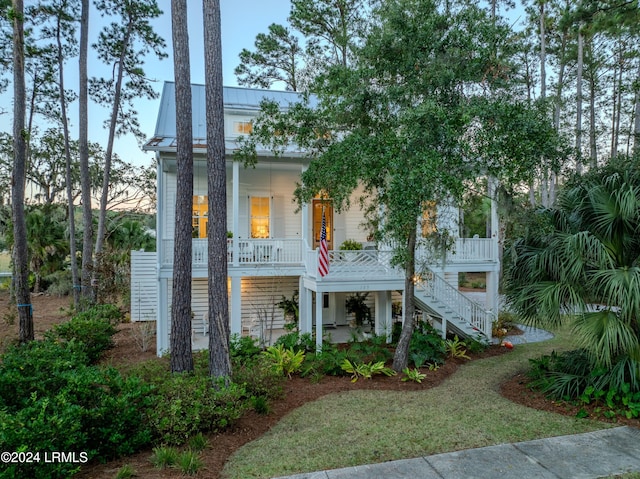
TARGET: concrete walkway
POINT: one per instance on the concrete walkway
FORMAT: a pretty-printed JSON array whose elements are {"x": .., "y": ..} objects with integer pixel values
[{"x": 581, "y": 456}]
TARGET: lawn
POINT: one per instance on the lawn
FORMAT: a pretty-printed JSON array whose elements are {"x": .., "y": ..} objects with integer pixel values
[
  {"x": 5, "y": 262},
  {"x": 361, "y": 427}
]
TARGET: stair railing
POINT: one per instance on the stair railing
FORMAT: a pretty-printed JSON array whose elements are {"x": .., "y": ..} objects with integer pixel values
[{"x": 439, "y": 290}]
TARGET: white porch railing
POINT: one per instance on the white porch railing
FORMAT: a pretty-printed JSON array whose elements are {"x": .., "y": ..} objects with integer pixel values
[
  {"x": 250, "y": 251},
  {"x": 346, "y": 264},
  {"x": 436, "y": 287},
  {"x": 342, "y": 263},
  {"x": 472, "y": 250}
]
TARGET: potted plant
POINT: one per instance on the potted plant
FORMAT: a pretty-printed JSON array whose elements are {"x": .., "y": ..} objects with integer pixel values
[
  {"x": 356, "y": 305},
  {"x": 290, "y": 308},
  {"x": 350, "y": 245}
]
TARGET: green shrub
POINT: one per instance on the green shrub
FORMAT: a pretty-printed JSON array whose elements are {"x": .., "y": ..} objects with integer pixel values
[
  {"x": 564, "y": 375},
  {"x": 426, "y": 345},
  {"x": 328, "y": 361},
  {"x": 37, "y": 367},
  {"x": 44, "y": 424},
  {"x": 243, "y": 348},
  {"x": 188, "y": 404},
  {"x": 95, "y": 411},
  {"x": 297, "y": 341},
  {"x": 570, "y": 375},
  {"x": 260, "y": 404},
  {"x": 108, "y": 312},
  {"x": 259, "y": 378},
  {"x": 60, "y": 283},
  {"x": 374, "y": 349},
  {"x": 95, "y": 335}
]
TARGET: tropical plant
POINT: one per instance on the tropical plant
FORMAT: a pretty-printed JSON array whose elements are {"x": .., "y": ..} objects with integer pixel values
[
  {"x": 413, "y": 375},
  {"x": 579, "y": 262},
  {"x": 356, "y": 305},
  {"x": 290, "y": 308},
  {"x": 365, "y": 370},
  {"x": 286, "y": 361},
  {"x": 456, "y": 348}
]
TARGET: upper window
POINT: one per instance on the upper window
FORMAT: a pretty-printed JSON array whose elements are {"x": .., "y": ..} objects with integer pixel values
[
  {"x": 260, "y": 217},
  {"x": 200, "y": 216},
  {"x": 242, "y": 127}
]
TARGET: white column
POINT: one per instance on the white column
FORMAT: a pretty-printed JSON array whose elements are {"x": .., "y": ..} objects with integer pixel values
[
  {"x": 304, "y": 218},
  {"x": 383, "y": 321},
  {"x": 319, "y": 320},
  {"x": 305, "y": 308},
  {"x": 162, "y": 317},
  {"x": 236, "y": 210},
  {"x": 492, "y": 187},
  {"x": 492, "y": 301},
  {"x": 160, "y": 199},
  {"x": 236, "y": 304}
]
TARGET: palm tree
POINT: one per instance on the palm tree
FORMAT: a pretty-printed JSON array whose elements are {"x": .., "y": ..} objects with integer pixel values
[{"x": 580, "y": 262}]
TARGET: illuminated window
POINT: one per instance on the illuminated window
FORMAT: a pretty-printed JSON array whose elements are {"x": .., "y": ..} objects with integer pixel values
[
  {"x": 428, "y": 218},
  {"x": 242, "y": 127},
  {"x": 260, "y": 217},
  {"x": 200, "y": 216}
]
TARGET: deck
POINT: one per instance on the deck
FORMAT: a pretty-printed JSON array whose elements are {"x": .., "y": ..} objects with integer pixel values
[{"x": 275, "y": 256}]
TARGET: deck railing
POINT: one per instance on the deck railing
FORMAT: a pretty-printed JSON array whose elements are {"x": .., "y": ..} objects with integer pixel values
[
  {"x": 342, "y": 263},
  {"x": 354, "y": 264},
  {"x": 249, "y": 252}
]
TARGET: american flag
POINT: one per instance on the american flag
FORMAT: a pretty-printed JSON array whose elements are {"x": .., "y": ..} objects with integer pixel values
[{"x": 323, "y": 255}]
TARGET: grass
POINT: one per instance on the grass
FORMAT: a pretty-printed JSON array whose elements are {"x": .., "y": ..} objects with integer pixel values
[
  {"x": 5, "y": 262},
  {"x": 361, "y": 427}
]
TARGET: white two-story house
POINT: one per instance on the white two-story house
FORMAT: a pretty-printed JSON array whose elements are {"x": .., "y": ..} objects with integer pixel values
[{"x": 272, "y": 246}]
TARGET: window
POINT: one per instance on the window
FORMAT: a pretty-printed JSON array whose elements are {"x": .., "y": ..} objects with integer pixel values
[
  {"x": 260, "y": 216},
  {"x": 242, "y": 127},
  {"x": 200, "y": 216},
  {"x": 428, "y": 218}
]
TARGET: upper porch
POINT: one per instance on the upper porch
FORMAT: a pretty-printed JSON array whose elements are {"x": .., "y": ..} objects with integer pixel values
[{"x": 278, "y": 257}]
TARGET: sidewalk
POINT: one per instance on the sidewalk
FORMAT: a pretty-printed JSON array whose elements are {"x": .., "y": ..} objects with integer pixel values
[{"x": 582, "y": 456}]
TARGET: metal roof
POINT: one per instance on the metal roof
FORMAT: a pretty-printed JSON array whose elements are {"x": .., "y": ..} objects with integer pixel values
[{"x": 234, "y": 98}]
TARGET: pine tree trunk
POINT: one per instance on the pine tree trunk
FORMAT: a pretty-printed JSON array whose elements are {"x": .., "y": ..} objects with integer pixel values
[
  {"x": 20, "y": 258},
  {"x": 83, "y": 157},
  {"x": 67, "y": 154},
  {"x": 579, "y": 101},
  {"x": 181, "y": 354},
  {"x": 106, "y": 177},
  {"x": 219, "y": 358}
]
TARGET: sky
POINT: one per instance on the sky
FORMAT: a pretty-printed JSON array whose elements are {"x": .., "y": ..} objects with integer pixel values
[{"x": 241, "y": 22}]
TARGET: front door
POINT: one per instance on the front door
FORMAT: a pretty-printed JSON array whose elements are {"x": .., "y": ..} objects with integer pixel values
[{"x": 318, "y": 207}]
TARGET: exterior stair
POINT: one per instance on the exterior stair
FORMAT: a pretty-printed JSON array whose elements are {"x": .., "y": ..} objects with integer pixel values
[{"x": 452, "y": 309}]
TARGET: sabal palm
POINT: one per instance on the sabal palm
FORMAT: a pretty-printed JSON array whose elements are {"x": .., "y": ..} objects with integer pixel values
[{"x": 581, "y": 262}]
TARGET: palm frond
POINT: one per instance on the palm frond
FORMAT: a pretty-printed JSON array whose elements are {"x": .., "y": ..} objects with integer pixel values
[{"x": 604, "y": 336}]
